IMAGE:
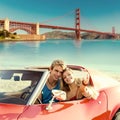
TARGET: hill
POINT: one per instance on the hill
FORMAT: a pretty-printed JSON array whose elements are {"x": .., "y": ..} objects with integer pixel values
[
  {"x": 59, "y": 35},
  {"x": 71, "y": 35}
]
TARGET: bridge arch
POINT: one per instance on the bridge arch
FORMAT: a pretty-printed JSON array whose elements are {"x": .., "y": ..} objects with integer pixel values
[{"x": 24, "y": 29}]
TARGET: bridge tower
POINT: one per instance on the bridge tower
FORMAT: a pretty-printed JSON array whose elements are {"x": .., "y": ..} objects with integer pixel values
[
  {"x": 6, "y": 24},
  {"x": 77, "y": 31},
  {"x": 37, "y": 29},
  {"x": 113, "y": 32}
]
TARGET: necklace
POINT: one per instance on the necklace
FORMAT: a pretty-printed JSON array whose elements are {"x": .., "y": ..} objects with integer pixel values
[{"x": 51, "y": 84}]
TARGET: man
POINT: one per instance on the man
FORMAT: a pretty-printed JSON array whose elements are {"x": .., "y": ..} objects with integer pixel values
[{"x": 53, "y": 81}]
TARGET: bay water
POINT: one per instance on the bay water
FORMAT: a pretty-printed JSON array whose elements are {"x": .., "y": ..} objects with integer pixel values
[{"x": 102, "y": 55}]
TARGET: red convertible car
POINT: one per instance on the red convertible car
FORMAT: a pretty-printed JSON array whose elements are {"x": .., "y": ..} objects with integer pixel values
[{"x": 20, "y": 88}]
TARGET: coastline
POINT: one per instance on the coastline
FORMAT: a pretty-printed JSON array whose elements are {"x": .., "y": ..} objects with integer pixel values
[
  {"x": 12, "y": 40},
  {"x": 22, "y": 37},
  {"x": 114, "y": 75}
]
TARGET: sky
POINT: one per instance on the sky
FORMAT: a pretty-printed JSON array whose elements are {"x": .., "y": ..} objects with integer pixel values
[{"x": 100, "y": 15}]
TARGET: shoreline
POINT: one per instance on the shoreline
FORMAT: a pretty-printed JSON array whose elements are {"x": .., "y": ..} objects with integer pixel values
[
  {"x": 18, "y": 40},
  {"x": 115, "y": 76},
  {"x": 112, "y": 74}
]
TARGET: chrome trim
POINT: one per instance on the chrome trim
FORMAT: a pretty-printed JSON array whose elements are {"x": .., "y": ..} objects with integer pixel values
[{"x": 38, "y": 88}]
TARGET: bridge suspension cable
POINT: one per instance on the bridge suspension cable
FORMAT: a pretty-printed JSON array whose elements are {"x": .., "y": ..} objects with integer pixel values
[{"x": 58, "y": 17}]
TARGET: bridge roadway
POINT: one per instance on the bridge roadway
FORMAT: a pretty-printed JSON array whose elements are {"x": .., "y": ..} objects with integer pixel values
[{"x": 72, "y": 29}]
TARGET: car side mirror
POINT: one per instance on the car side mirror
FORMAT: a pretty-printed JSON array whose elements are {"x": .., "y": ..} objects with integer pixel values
[{"x": 59, "y": 95}]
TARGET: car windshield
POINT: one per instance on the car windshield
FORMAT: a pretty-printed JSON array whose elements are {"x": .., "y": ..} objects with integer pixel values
[{"x": 16, "y": 82}]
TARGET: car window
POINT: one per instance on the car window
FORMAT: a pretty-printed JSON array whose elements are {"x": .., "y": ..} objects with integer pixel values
[{"x": 16, "y": 82}]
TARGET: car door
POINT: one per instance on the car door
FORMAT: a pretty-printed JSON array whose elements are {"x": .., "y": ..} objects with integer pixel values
[
  {"x": 11, "y": 111},
  {"x": 85, "y": 109}
]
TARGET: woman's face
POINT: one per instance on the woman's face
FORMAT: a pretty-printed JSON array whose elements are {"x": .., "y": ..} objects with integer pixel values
[{"x": 68, "y": 77}]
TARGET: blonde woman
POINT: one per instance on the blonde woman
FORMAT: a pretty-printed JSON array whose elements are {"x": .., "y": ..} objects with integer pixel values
[{"x": 76, "y": 88}]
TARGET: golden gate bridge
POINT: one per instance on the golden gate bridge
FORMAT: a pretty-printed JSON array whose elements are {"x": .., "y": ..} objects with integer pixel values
[{"x": 33, "y": 28}]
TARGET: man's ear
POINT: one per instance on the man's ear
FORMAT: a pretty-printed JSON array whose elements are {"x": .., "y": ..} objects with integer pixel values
[{"x": 49, "y": 68}]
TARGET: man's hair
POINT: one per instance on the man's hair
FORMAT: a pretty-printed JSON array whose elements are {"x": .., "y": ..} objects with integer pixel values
[{"x": 58, "y": 63}]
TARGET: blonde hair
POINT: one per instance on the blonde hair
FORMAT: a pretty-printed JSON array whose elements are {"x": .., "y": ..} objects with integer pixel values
[{"x": 58, "y": 63}]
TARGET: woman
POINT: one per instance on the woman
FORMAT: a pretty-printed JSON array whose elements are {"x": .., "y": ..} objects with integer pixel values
[{"x": 76, "y": 88}]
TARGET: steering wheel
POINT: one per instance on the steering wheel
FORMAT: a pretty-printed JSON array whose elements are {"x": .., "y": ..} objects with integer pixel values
[{"x": 25, "y": 95}]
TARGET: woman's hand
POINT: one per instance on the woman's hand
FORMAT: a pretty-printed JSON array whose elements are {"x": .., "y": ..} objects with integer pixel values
[
  {"x": 78, "y": 81},
  {"x": 82, "y": 80},
  {"x": 89, "y": 92}
]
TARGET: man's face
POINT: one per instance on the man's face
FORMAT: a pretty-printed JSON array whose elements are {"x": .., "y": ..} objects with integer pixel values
[{"x": 56, "y": 72}]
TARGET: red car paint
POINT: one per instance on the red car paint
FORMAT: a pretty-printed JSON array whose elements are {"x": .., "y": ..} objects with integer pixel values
[{"x": 103, "y": 108}]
